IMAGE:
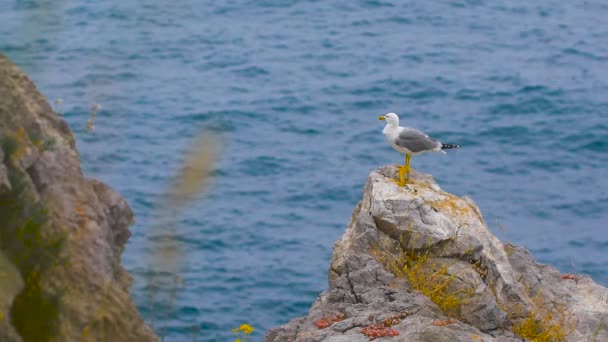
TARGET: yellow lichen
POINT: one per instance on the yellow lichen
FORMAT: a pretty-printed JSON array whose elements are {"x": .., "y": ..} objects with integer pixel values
[
  {"x": 425, "y": 274},
  {"x": 480, "y": 269},
  {"x": 434, "y": 282},
  {"x": 509, "y": 249},
  {"x": 21, "y": 139},
  {"x": 542, "y": 322},
  {"x": 451, "y": 205}
]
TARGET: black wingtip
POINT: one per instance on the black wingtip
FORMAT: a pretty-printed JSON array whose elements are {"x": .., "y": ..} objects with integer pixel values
[{"x": 449, "y": 146}]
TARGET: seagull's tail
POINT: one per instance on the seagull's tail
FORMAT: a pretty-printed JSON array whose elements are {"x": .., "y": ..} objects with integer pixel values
[{"x": 448, "y": 146}]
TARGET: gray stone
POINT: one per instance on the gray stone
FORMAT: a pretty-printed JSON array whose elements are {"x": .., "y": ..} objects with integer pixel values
[
  {"x": 91, "y": 218},
  {"x": 498, "y": 286},
  {"x": 11, "y": 283},
  {"x": 5, "y": 184}
]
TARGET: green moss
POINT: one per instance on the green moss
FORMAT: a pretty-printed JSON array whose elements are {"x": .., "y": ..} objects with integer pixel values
[
  {"x": 9, "y": 146},
  {"x": 34, "y": 311},
  {"x": 42, "y": 143},
  {"x": 34, "y": 314}
]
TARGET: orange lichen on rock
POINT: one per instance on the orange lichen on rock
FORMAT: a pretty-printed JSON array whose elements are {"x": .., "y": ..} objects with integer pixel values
[
  {"x": 569, "y": 276},
  {"x": 321, "y": 323},
  {"x": 338, "y": 317},
  {"x": 378, "y": 330},
  {"x": 384, "y": 329},
  {"x": 439, "y": 323},
  {"x": 325, "y": 322}
]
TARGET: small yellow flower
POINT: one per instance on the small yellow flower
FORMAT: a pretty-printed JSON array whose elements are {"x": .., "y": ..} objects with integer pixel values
[
  {"x": 246, "y": 328},
  {"x": 237, "y": 340}
]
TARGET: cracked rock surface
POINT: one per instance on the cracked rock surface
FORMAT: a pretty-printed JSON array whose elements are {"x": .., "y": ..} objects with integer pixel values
[
  {"x": 84, "y": 290},
  {"x": 502, "y": 284}
]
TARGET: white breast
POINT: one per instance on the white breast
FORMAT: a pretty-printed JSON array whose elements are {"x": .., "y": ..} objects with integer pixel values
[{"x": 391, "y": 134}]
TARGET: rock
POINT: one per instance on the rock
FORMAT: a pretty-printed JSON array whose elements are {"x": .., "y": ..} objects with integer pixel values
[
  {"x": 5, "y": 184},
  {"x": 11, "y": 284},
  {"x": 424, "y": 262},
  {"x": 63, "y": 234}
]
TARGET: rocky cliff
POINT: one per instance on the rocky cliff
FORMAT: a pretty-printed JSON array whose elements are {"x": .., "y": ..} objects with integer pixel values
[
  {"x": 61, "y": 234},
  {"x": 419, "y": 264}
]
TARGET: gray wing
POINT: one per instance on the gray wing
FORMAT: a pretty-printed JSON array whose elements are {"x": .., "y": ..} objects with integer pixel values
[{"x": 416, "y": 141}]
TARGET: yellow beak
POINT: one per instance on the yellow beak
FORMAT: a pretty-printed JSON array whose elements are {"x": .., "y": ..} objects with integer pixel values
[{"x": 381, "y": 117}]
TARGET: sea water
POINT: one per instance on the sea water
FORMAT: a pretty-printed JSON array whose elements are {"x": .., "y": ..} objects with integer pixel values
[{"x": 295, "y": 88}]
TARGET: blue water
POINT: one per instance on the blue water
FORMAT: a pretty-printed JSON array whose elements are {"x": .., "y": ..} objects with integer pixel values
[{"x": 296, "y": 87}]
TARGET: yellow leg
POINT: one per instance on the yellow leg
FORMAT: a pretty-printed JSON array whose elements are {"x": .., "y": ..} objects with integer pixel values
[
  {"x": 401, "y": 181},
  {"x": 404, "y": 171},
  {"x": 407, "y": 165}
]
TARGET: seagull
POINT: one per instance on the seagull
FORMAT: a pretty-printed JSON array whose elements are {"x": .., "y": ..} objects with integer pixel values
[{"x": 409, "y": 141}]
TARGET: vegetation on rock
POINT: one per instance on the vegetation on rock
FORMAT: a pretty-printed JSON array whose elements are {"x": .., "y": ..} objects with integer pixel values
[
  {"x": 424, "y": 273},
  {"x": 34, "y": 312}
]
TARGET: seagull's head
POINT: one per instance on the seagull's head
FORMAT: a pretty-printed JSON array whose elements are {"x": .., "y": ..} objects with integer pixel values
[{"x": 390, "y": 118}]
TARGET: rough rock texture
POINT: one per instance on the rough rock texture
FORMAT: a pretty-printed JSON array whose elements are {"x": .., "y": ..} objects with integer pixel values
[
  {"x": 83, "y": 288},
  {"x": 426, "y": 231}
]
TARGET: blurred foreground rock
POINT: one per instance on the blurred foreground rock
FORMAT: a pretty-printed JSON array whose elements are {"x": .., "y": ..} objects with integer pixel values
[
  {"x": 61, "y": 234},
  {"x": 421, "y": 263}
]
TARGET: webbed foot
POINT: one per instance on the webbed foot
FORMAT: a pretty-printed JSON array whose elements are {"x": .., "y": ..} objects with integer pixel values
[
  {"x": 400, "y": 182},
  {"x": 402, "y": 171}
]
